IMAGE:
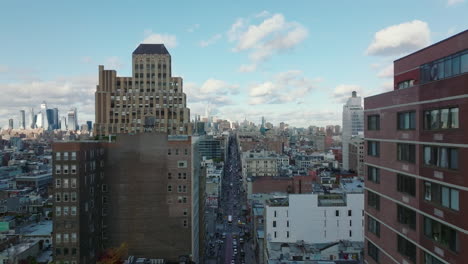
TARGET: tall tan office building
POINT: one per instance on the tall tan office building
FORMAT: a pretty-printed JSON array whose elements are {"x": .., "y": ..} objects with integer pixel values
[{"x": 149, "y": 101}]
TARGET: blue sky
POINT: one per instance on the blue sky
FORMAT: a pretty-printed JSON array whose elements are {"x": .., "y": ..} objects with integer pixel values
[{"x": 292, "y": 61}]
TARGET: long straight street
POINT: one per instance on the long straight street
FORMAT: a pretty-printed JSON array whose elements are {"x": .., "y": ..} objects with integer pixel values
[{"x": 232, "y": 237}]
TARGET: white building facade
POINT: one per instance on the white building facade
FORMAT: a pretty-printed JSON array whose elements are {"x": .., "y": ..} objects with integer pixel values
[
  {"x": 316, "y": 218},
  {"x": 353, "y": 124}
]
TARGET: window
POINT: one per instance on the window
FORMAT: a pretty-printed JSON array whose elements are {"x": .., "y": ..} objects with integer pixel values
[
  {"x": 464, "y": 63},
  {"x": 441, "y": 234},
  {"x": 406, "y": 248},
  {"x": 405, "y": 84},
  {"x": 372, "y": 251},
  {"x": 444, "y": 118},
  {"x": 442, "y": 195},
  {"x": 73, "y": 196},
  {"x": 337, "y": 213},
  {"x": 406, "y": 216},
  {"x": 65, "y": 169},
  {"x": 373, "y": 122},
  {"x": 58, "y": 238},
  {"x": 350, "y": 233},
  {"x": 57, "y": 183},
  {"x": 73, "y": 210},
  {"x": 287, "y": 233},
  {"x": 350, "y": 212},
  {"x": 58, "y": 197},
  {"x": 58, "y": 155},
  {"x": 179, "y": 188},
  {"x": 287, "y": 223},
  {"x": 274, "y": 223},
  {"x": 442, "y": 157},
  {"x": 73, "y": 182},
  {"x": 186, "y": 151},
  {"x": 65, "y": 197},
  {"x": 169, "y": 175},
  {"x": 169, "y": 188},
  {"x": 429, "y": 259},
  {"x": 73, "y": 240},
  {"x": 58, "y": 210},
  {"x": 275, "y": 234},
  {"x": 275, "y": 213},
  {"x": 104, "y": 188},
  {"x": 58, "y": 169},
  {"x": 65, "y": 183},
  {"x": 373, "y": 174},
  {"x": 406, "y": 120},
  {"x": 73, "y": 156},
  {"x": 373, "y": 148},
  {"x": 73, "y": 169},
  {"x": 406, "y": 152},
  {"x": 65, "y": 210},
  {"x": 185, "y": 223},
  {"x": 373, "y": 226},
  {"x": 406, "y": 184},
  {"x": 168, "y": 151},
  {"x": 373, "y": 200},
  {"x": 65, "y": 156},
  {"x": 65, "y": 238},
  {"x": 182, "y": 164}
]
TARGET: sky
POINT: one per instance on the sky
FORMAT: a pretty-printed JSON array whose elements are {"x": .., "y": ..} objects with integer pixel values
[{"x": 290, "y": 61}]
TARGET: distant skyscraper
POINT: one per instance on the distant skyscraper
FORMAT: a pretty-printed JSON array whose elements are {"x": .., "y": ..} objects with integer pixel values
[
  {"x": 56, "y": 118},
  {"x": 10, "y": 123},
  {"x": 90, "y": 125},
  {"x": 63, "y": 123},
  {"x": 32, "y": 118},
  {"x": 44, "y": 118},
  {"x": 72, "y": 119},
  {"x": 50, "y": 119},
  {"x": 353, "y": 124},
  {"x": 39, "y": 120},
  {"x": 22, "y": 122}
]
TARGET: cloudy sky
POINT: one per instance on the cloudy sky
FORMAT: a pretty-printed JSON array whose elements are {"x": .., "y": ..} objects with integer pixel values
[{"x": 292, "y": 61}]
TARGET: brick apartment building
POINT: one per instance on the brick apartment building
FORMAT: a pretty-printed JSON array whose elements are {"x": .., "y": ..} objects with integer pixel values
[{"x": 416, "y": 143}]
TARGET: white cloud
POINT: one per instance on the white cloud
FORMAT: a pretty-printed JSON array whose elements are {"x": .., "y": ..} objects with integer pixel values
[
  {"x": 400, "y": 39},
  {"x": 210, "y": 41},
  {"x": 114, "y": 63},
  {"x": 247, "y": 68},
  {"x": 264, "y": 13},
  {"x": 170, "y": 41},
  {"x": 343, "y": 91},
  {"x": 454, "y": 2},
  {"x": 193, "y": 28},
  {"x": 286, "y": 87},
  {"x": 271, "y": 36},
  {"x": 212, "y": 91},
  {"x": 386, "y": 72}
]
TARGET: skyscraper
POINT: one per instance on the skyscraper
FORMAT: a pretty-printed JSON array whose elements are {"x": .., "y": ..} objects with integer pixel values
[
  {"x": 40, "y": 119},
  {"x": 90, "y": 125},
  {"x": 353, "y": 124},
  {"x": 22, "y": 122},
  {"x": 50, "y": 119},
  {"x": 72, "y": 119},
  {"x": 417, "y": 151},
  {"x": 63, "y": 123},
  {"x": 55, "y": 118},
  {"x": 44, "y": 116},
  {"x": 152, "y": 100},
  {"x": 10, "y": 123},
  {"x": 32, "y": 118}
]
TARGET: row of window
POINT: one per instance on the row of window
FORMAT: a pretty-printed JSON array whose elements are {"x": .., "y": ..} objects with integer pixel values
[
  {"x": 176, "y": 151},
  {"x": 180, "y": 188},
  {"x": 72, "y": 210},
  {"x": 274, "y": 223},
  {"x": 67, "y": 197},
  {"x": 444, "y": 68},
  {"x": 441, "y": 157},
  {"x": 435, "y": 119},
  {"x": 180, "y": 199},
  {"x": 181, "y": 175},
  {"x": 66, "y": 252},
  {"x": 433, "y": 192},
  {"x": 65, "y": 238},
  {"x": 65, "y": 169},
  {"x": 65, "y": 183},
  {"x": 275, "y": 234},
  {"x": 65, "y": 156},
  {"x": 148, "y": 66}
]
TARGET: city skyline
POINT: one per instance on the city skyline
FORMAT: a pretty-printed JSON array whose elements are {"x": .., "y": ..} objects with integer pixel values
[{"x": 278, "y": 62}]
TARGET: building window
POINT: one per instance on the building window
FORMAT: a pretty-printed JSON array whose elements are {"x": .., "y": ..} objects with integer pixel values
[
  {"x": 441, "y": 234},
  {"x": 73, "y": 156},
  {"x": 406, "y": 184},
  {"x": 406, "y": 248},
  {"x": 274, "y": 223},
  {"x": 337, "y": 212},
  {"x": 372, "y": 251},
  {"x": 73, "y": 240},
  {"x": 406, "y": 216},
  {"x": 73, "y": 169},
  {"x": 350, "y": 233},
  {"x": 287, "y": 223},
  {"x": 58, "y": 156},
  {"x": 73, "y": 196},
  {"x": 58, "y": 210},
  {"x": 373, "y": 226},
  {"x": 405, "y": 84},
  {"x": 373, "y": 122},
  {"x": 58, "y": 197},
  {"x": 65, "y": 169},
  {"x": 65, "y": 197},
  {"x": 57, "y": 183},
  {"x": 182, "y": 164},
  {"x": 287, "y": 234},
  {"x": 73, "y": 210},
  {"x": 442, "y": 195},
  {"x": 429, "y": 259},
  {"x": 274, "y": 213},
  {"x": 444, "y": 68},
  {"x": 65, "y": 238},
  {"x": 186, "y": 151},
  {"x": 185, "y": 223},
  {"x": 275, "y": 234},
  {"x": 65, "y": 210},
  {"x": 104, "y": 188},
  {"x": 169, "y": 188},
  {"x": 444, "y": 118},
  {"x": 442, "y": 157},
  {"x": 58, "y": 169},
  {"x": 73, "y": 182},
  {"x": 58, "y": 238},
  {"x": 373, "y": 174},
  {"x": 373, "y": 148},
  {"x": 373, "y": 200},
  {"x": 65, "y": 156},
  {"x": 406, "y": 120},
  {"x": 350, "y": 212},
  {"x": 406, "y": 152},
  {"x": 168, "y": 151},
  {"x": 169, "y": 175}
]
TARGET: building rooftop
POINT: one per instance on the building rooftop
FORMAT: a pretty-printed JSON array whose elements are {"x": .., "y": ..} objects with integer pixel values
[{"x": 151, "y": 49}]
